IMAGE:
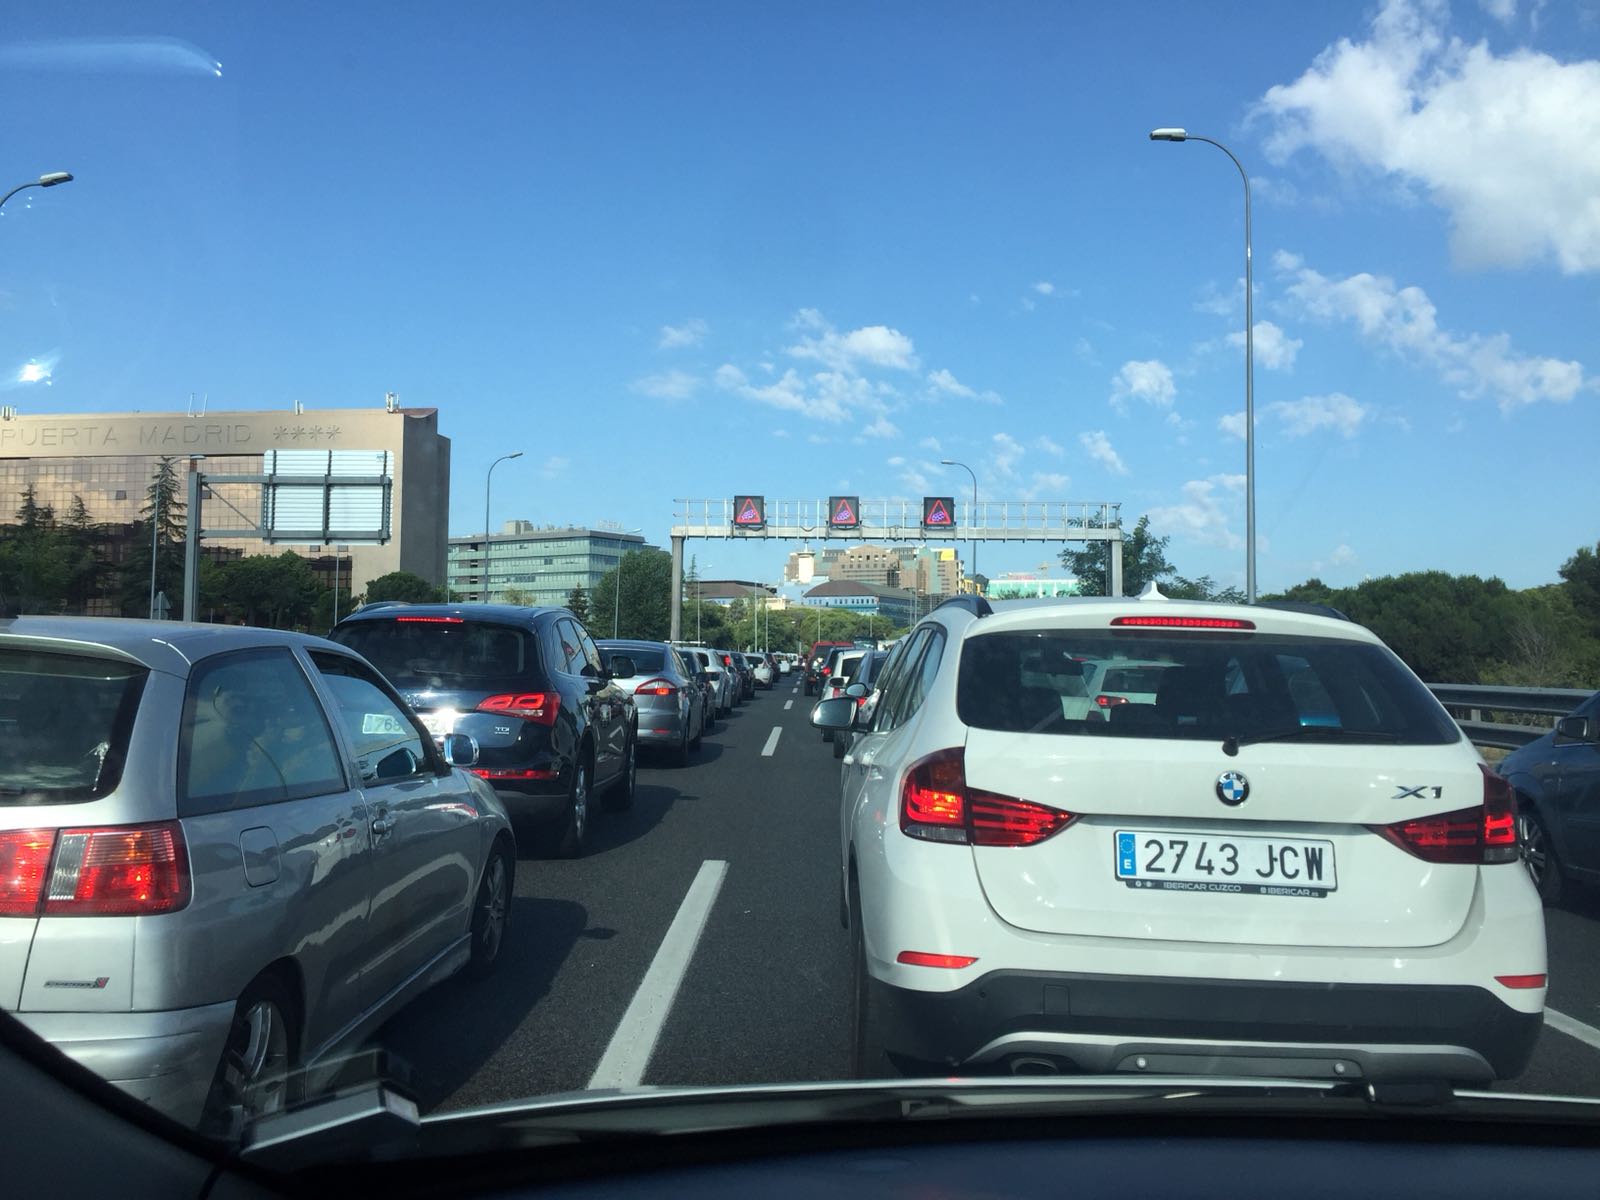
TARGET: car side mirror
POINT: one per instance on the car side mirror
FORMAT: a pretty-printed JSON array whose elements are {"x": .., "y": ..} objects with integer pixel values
[
  {"x": 622, "y": 667},
  {"x": 857, "y": 690},
  {"x": 396, "y": 765},
  {"x": 1574, "y": 729},
  {"x": 837, "y": 714},
  {"x": 460, "y": 749}
]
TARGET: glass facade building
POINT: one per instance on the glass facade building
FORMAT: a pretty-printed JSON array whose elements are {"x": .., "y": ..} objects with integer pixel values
[{"x": 534, "y": 565}]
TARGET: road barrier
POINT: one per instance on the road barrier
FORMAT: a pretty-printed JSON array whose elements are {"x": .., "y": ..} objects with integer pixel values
[{"x": 1507, "y": 717}]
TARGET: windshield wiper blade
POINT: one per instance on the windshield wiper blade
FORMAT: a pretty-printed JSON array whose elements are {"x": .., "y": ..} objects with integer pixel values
[{"x": 1333, "y": 733}]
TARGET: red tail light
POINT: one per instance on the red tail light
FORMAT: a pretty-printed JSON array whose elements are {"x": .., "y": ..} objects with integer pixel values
[
  {"x": 431, "y": 620},
  {"x": 539, "y": 707},
  {"x": 937, "y": 805},
  {"x": 1105, "y": 701},
  {"x": 1484, "y": 834},
  {"x": 124, "y": 871},
  {"x": 655, "y": 687},
  {"x": 24, "y": 867},
  {"x": 1520, "y": 981},
  {"x": 131, "y": 870}
]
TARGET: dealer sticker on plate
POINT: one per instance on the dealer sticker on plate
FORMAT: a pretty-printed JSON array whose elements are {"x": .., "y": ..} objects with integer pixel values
[{"x": 1256, "y": 866}]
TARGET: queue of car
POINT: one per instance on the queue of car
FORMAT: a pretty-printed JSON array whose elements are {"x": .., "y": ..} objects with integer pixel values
[{"x": 229, "y": 854}]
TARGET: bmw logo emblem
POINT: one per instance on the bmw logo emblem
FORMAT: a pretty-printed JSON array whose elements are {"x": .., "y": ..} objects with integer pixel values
[{"x": 1232, "y": 788}]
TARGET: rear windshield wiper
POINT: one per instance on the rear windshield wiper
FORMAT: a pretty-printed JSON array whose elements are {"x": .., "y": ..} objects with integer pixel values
[{"x": 1231, "y": 744}]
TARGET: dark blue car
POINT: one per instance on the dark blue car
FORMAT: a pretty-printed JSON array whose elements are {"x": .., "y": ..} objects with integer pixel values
[{"x": 1557, "y": 781}]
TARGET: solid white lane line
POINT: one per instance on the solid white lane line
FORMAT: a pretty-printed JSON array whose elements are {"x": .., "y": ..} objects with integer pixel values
[
  {"x": 626, "y": 1057},
  {"x": 787, "y": 705},
  {"x": 772, "y": 742},
  {"x": 1572, "y": 1027}
]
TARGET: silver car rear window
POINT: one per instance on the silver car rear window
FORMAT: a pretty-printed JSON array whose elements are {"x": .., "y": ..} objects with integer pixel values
[
  {"x": 1200, "y": 686},
  {"x": 65, "y": 720}
]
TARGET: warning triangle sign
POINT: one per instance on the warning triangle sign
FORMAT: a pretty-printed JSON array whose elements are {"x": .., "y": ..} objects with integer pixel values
[
  {"x": 749, "y": 514},
  {"x": 844, "y": 514},
  {"x": 938, "y": 514}
]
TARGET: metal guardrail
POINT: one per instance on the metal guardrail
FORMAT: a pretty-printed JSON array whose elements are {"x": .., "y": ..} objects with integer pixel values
[{"x": 1471, "y": 703}]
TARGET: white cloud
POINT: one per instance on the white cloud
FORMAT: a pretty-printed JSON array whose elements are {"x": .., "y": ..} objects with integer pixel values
[
  {"x": 829, "y": 396},
  {"x": 553, "y": 467},
  {"x": 871, "y": 345},
  {"x": 1502, "y": 143},
  {"x": 1049, "y": 446},
  {"x": 881, "y": 428},
  {"x": 1337, "y": 412},
  {"x": 669, "y": 385},
  {"x": 1004, "y": 456},
  {"x": 1099, "y": 448},
  {"x": 930, "y": 443},
  {"x": 1232, "y": 424},
  {"x": 1149, "y": 380},
  {"x": 1045, "y": 288},
  {"x": 1504, "y": 11},
  {"x": 947, "y": 384},
  {"x": 1405, "y": 320},
  {"x": 1203, "y": 514},
  {"x": 1050, "y": 485},
  {"x": 1342, "y": 555},
  {"x": 1274, "y": 349},
  {"x": 691, "y": 333}
]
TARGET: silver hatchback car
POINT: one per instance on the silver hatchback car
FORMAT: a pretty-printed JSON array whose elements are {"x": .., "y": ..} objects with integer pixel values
[{"x": 226, "y": 855}]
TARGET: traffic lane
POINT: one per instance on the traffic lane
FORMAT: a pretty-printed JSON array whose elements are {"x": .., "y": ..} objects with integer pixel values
[
  {"x": 1564, "y": 1064},
  {"x": 766, "y": 998},
  {"x": 583, "y": 933}
]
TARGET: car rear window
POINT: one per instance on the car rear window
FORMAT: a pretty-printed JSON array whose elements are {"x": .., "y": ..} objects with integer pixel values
[
  {"x": 1195, "y": 686},
  {"x": 644, "y": 658},
  {"x": 422, "y": 653},
  {"x": 65, "y": 720}
]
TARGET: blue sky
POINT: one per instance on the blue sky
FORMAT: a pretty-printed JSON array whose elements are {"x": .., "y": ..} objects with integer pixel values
[{"x": 676, "y": 250}]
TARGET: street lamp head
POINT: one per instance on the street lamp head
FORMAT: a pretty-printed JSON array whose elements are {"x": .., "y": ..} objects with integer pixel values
[
  {"x": 948, "y": 462},
  {"x": 518, "y": 454},
  {"x": 1169, "y": 135},
  {"x": 54, "y": 178}
]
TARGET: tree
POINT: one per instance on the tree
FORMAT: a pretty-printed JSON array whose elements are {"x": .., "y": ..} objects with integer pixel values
[
  {"x": 1203, "y": 588},
  {"x": 578, "y": 603},
  {"x": 81, "y": 543},
  {"x": 1144, "y": 560},
  {"x": 646, "y": 590},
  {"x": 405, "y": 587},
  {"x": 278, "y": 591},
  {"x": 1580, "y": 578},
  {"x": 160, "y": 531},
  {"x": 33, "y": 516},
  {"x": 519, "y": 596}
]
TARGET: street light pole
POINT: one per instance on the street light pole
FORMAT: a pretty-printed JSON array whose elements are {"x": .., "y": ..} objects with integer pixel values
[
  {"x": 45, "y": 181},
  {"x": 616, "y": 602},
  {"x": 488, "y": 481},
  {"x": 1183, "y": 135},
  {"x": 950, "y": 462}
]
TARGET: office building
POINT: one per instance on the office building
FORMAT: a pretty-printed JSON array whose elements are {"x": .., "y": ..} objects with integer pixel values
[
  {"x": 531, "y": 564},
  {"x": 108, "y": 461}
]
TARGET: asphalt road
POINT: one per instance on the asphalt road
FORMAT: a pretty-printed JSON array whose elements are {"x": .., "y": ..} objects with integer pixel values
[{"x": 757, "y": 991}]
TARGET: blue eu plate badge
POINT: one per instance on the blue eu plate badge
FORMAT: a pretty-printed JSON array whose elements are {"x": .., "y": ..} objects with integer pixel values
[{"x": 1126, "y": 863}]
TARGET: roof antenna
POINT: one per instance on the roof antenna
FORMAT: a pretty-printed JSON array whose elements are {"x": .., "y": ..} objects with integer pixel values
[{"x": 1151, "y": 592}]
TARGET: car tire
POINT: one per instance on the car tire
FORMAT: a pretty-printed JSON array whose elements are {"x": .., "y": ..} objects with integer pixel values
[
  {"x": 619, "y": 797},
  {"x": 491, "y": 911},
  {"x": 575, "y": 821},
  {"x": 680, "y": 756},
  {"x": 1539, "y": 856},
  {"x": 700, "y": 733},
  {"x": 867, "y": 1057},
  {"x": 256, "y": 1073}
]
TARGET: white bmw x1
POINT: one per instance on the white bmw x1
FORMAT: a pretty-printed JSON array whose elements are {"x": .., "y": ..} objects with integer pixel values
[{"x": 1288, "y": 862}]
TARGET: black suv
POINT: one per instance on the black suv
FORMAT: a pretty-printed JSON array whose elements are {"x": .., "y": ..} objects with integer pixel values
[{"x": 528, "y": 684}]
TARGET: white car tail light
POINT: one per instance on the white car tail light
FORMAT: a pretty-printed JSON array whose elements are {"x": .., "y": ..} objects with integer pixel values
[{"x": 936, "y": 805}]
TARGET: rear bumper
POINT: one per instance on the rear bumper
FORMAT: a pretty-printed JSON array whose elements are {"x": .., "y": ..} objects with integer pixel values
[
  {"x": 1105, "y": 1023},
  {"x": 661, "y": 729},
  {"x": 166, "y": 1059}
]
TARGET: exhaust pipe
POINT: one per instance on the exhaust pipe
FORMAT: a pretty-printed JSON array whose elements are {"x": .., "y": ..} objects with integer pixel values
[{"x": 1032, "y": 1065}]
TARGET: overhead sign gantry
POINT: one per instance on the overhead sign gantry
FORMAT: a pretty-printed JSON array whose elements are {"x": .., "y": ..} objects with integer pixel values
[{"x": 850, "y": 518}]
